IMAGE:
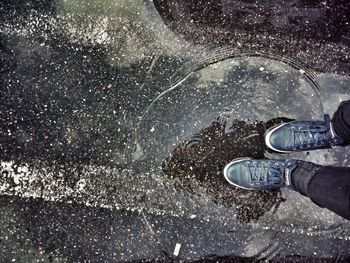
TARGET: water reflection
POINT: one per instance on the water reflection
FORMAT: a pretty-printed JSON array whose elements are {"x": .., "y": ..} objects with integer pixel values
[{"x": 241, "y": 88}]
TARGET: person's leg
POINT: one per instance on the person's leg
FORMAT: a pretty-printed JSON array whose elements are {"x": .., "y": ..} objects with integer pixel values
[
  {"x": 326, "y": 186},
  {"x": 302, "y": 135},
  {"x": 341, "y": 121}
]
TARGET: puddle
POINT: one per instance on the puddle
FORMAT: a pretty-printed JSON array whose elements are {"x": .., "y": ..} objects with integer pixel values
[{"x": 242, "y": 88}]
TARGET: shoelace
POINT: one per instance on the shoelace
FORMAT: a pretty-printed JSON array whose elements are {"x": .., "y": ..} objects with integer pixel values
[
  {"x": 310, "y": 136},
  {"x": 266, "y": 172}
]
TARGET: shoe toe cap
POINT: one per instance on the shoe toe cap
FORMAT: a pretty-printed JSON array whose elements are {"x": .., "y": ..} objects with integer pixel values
[
  {"x": 279, "y": 140},
  {"x": 236, "y": 174}
]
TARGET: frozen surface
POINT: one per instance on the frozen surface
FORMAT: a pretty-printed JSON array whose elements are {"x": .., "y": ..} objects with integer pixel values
[{"x": 95, "y": 95}]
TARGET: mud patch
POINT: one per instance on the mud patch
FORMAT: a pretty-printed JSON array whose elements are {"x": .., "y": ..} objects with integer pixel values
[{"x": 199, "y": 162}]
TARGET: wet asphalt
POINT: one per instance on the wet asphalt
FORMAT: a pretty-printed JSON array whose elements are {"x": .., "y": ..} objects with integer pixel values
[{"x": 95, "y": 95}]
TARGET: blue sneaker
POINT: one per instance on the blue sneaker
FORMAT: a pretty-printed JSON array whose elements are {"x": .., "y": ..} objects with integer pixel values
[
  {"x": 302, "y": 136},
  {"x": 253, "y": 174}
]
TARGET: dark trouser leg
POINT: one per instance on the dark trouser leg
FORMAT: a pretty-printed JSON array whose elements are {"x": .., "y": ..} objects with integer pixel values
[
  {"x": 341, "y": 121},
  {"x": 328, "y": 187}
]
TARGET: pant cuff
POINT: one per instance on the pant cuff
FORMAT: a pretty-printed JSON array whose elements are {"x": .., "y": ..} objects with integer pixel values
[{"x": 302, "y": 176}]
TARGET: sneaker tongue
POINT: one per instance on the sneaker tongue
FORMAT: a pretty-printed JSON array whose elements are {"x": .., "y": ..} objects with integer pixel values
[{"x": 288, "y": 174}]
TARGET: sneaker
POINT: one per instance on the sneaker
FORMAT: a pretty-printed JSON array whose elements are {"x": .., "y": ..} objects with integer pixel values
[
  {"x": 253, "y": 174},
  {"x": 302, "y": 136}
]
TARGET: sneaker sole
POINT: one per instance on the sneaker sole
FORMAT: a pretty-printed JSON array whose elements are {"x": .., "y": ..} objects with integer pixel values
[
  {"x": 268, "y": 135},
  {"x": 233, "y": 162}
]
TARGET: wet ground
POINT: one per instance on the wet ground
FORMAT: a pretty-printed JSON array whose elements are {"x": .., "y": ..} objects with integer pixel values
[{"x": 105, "y": 114}]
